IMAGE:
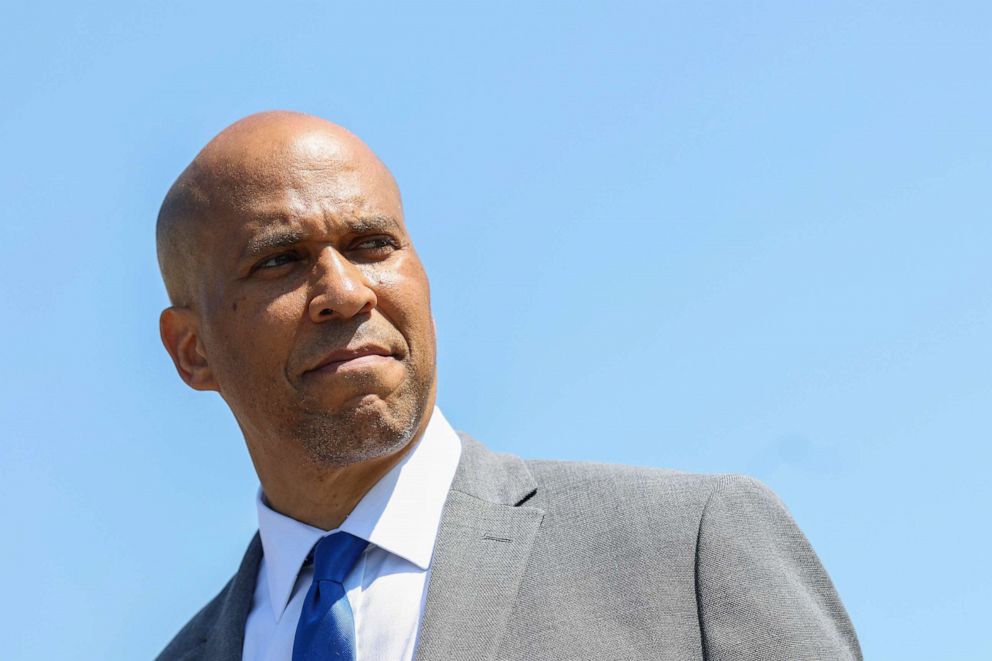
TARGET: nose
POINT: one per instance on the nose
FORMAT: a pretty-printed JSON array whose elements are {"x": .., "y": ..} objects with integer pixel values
[{"x": 339, "y": 290}]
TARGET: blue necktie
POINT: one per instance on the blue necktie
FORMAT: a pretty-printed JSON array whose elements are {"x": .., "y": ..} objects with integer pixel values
[{"x": 327, "y": 626}]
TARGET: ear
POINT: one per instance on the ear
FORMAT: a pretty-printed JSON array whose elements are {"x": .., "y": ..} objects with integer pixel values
[{"x": 180, "y": 330}]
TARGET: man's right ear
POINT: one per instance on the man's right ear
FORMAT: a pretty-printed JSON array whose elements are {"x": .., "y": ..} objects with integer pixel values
[{"x": 180, "y": 332}]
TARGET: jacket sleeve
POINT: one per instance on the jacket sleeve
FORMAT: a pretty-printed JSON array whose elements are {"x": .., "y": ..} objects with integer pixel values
[{"x": 761, "y": 591}]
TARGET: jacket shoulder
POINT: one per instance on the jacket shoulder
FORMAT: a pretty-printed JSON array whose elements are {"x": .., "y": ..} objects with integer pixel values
[
  {"x": 722, "y": 549},
  {"x": 622, "y": 482},
  {"x": 656, "y": 505}
]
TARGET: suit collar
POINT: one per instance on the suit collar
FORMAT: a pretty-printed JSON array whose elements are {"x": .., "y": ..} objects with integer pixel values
[{"x": 503, "y": 479}]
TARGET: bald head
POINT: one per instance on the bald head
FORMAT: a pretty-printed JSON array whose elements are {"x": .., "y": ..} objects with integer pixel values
[{"x": 265, "y": 151}]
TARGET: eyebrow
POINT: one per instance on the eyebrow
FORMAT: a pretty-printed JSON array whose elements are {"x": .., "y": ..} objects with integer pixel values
[
  {"x": 285, "y": 237},
  {"x": 273, "y": 239}
]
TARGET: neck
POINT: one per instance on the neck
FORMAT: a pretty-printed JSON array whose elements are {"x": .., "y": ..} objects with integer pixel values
[{"x": 323, "y": 497}]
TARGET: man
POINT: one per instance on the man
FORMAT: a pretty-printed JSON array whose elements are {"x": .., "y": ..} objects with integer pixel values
[{"x": 297, "y": 295}]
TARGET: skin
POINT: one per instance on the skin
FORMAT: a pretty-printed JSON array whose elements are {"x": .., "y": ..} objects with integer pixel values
[{"x": 283, "y": 247}]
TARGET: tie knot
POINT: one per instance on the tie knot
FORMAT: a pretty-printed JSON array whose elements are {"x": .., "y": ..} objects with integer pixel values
[{"x": 335, "y": 555}]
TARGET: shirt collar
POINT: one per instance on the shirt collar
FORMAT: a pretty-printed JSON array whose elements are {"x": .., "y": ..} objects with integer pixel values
[{"x": 401, "y": 513}]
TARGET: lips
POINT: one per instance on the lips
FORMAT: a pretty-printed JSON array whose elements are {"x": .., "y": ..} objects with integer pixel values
[{"x": 356, "y": 358}]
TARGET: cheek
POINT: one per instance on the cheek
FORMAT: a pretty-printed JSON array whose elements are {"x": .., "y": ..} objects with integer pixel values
[
  {"x": 404, "y": 298},
  {"x": 380, "y": 278},
  {"x": 252, "y": 337}
]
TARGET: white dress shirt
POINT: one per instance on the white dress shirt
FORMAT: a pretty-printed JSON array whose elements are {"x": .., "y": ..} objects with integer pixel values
[{"x": 386, "y": 589}]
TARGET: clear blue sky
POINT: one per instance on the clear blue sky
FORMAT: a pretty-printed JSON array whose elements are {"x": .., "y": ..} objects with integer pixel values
[{"x": 749, "y": 237}]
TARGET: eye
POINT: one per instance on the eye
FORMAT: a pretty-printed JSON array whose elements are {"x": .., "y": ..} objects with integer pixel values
[
  {"x": 375, "y": 245},
  {"x": 275, "y": 261}
]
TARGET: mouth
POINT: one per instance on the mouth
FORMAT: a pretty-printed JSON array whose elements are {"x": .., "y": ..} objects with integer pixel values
[{"x": 344, "y": 360}]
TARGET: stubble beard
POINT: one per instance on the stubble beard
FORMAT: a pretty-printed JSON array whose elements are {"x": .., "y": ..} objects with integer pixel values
[{"x": 371, "y": 429}]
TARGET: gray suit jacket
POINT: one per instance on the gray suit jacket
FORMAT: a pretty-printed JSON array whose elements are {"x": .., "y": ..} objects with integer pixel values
[{"x": 541, "y": 560}]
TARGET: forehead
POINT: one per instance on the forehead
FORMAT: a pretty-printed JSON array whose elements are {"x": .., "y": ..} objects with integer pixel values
[{"x": 314, "y": 184}]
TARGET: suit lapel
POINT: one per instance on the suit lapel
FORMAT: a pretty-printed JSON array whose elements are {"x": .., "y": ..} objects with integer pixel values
[
  {"x": 481, "y": 553},
  {"x": 227, "y": 638}
]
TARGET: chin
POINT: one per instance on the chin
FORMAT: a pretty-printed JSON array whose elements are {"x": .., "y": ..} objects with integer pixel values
[{"x": 362, "y": 428}]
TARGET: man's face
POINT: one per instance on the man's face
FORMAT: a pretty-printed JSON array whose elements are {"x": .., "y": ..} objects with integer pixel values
[{"x": 314, "y": 309}]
